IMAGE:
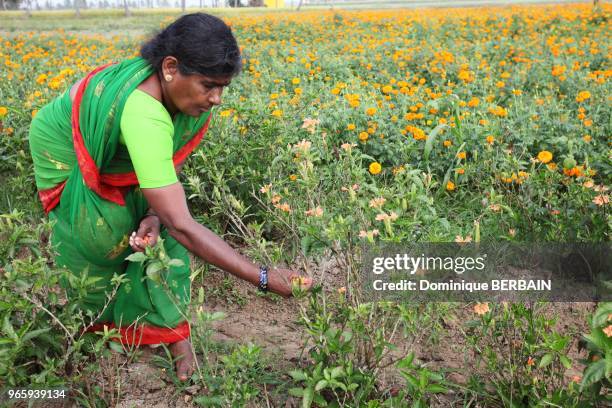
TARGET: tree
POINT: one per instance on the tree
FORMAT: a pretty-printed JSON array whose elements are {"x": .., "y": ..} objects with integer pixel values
[{"x": 128, "y": 13}]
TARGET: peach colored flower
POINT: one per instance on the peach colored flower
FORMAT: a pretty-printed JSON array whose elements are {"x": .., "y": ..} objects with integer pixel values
[
  {"x": 377, "y": 202},
  {"x": 601, "y": 199},
  {"x": 310, "y": 124},
  {"x": 608, "y": 331},
  {"x": 314, "y": 212},
  {"x": 460, "y": 239},
  {"x": 265, "y": 189},
  {"x": 481, "y": 308},
  {"x": 348, "y": 146}
]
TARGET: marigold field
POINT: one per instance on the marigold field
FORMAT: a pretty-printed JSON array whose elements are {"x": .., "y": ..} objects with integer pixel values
[{"x": 346, "y": 129}]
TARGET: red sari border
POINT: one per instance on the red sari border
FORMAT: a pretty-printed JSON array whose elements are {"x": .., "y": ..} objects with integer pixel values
[
  {"x": 107, "y": 186},
  {"x": 145, "y": 334}
]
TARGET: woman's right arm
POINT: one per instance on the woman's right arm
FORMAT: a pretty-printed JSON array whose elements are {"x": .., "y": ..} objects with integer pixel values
[{"x": 170, "y": 205}]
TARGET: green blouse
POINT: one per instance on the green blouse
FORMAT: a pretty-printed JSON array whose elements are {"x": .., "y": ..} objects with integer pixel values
[{"x": 147, "y": 132}]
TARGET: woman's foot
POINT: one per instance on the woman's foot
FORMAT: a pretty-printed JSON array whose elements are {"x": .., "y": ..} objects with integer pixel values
[{"x": 182, "y": 353}]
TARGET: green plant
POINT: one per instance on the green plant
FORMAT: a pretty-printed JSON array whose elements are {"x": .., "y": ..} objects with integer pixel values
[{"x": 597, "y": 375}]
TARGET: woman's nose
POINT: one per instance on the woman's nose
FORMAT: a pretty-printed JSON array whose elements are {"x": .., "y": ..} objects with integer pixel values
[{"x": 215, "y": 96}]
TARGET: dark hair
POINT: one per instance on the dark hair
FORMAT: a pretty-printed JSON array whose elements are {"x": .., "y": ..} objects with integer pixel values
[{"x": 201, "y": 43}]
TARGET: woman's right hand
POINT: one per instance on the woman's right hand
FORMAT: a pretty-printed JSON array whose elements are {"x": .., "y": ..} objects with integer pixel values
[{"x": 281, "y": 281}]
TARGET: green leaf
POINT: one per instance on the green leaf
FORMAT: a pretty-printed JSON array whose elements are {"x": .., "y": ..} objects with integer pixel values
[
  {"x": 546, "y": 360},
  {"x": 600, "y": 317},
  {"x": 35, "y": 333},
  {"x": 436, "y": 388},
  {"x": 595, "y": 372},
  {"x": 430, "y": 139},
  {"x": 176, "y": 263},
  {"x": 298, "y": 375},
  {"x": 7, "y": 328},
  {"x": 136, "y": 257},
  {"x": 337, "y": 372},
  {"x": 307, "y": 397},
  {"x": 321, "y": 385},
  {"x": 153, "y": 271},
  {"x": 296, "y": 392},
  {"x": 566, "y": 362},
  {"x": 116, "y": 347}
]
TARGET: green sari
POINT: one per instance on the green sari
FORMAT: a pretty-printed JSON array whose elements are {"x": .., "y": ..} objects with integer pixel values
[{"x": 89, "y": 189}]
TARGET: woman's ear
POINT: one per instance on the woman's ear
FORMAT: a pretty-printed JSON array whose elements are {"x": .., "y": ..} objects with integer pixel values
[{"x": 169, "y": 66}]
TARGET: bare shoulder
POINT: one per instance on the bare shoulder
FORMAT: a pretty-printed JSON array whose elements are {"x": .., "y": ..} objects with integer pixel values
[{"x": 151, "y": 86}]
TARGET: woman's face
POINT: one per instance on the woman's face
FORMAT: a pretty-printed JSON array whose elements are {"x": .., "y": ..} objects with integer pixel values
[{"x": 191, "y": 94}]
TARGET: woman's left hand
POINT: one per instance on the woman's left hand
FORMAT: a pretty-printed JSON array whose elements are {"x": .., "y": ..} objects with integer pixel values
[{"x": 147, "y": 234}]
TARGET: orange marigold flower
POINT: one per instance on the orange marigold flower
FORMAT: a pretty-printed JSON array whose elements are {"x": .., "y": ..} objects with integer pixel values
[
  {"x": 370, "y": 111},
  {"x": 3, "y": 111},
  {"x": 450, "y": 186},
  {"x": 474, "y": 102},
  {"x": 545, "y": 156},
  {"x": 461, "y": 155}
]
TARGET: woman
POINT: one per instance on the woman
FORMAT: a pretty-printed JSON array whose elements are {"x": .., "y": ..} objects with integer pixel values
[{"x": 106, "y": 156}]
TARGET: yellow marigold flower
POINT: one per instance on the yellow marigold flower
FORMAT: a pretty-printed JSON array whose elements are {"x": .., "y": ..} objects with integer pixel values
[
  {"x": 583, "y": 96},
  {"x": 41, "y": 78},
  {"x": 370, "y": 111},
  {"x": 363, "y": 136},
  {"x": 461, "y": 155},
  {"x": 350, "y": 126},
  {"x": 225, "y": 113},
  {"x": 450, "y": 186},
  {"x": 298, "y": 91},
  {"x": 447, "y": 143},
  {"x": 277, "y": 112},
  {"x": 3, "y": 111},
  {"x": 545, "y": 156},
  {"x": 375, "y": 167},
  {"x": 387, "y": 89},
  {"x": 586, "y": 138},
  {"x": 295, "y": 81},
  {"x": 292, "y": 177}
]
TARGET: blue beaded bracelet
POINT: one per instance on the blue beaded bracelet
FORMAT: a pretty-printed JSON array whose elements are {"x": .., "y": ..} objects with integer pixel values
[{"x": 263, "y": 278}]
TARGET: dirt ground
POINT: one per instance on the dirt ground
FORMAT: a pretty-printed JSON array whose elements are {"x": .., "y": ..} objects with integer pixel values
[{"x": 272, "y": 324}]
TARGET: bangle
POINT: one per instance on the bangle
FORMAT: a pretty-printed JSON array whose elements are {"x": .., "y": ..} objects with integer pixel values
[{"x": 263, "y": 279}]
